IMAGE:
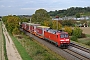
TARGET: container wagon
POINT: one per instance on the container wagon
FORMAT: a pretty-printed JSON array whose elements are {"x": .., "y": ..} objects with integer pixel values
[{"x": 40, "y": 31}]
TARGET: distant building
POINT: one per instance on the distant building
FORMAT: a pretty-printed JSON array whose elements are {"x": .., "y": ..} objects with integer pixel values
[{"x": 72, "y": 18}]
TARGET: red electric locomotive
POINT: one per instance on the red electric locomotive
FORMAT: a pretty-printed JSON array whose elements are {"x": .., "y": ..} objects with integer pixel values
[{"x": 60, "y": 38}]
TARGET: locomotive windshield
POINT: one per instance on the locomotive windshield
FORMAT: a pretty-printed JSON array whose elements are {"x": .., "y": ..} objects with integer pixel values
[{"x": 64, "y": 36}]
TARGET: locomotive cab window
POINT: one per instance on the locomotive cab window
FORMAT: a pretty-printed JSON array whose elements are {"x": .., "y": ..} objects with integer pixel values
[{"x": 64, "y": 36}]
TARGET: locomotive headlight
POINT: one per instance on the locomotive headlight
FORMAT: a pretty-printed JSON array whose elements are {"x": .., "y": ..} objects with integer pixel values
[
  {"x": 67, "y": 39},
  {"x": 61, "y": 40}
]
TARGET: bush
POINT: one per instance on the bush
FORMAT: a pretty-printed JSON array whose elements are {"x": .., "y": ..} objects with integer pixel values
[
  {"x": 68, "y": 23},
  {"x": 15, "y": 31},
  {"x": 74, "y": 38},
  {"x": 88, "y": 43},
  {"x": 68, "y": 29},
  {"x": 77, "y": 32}
]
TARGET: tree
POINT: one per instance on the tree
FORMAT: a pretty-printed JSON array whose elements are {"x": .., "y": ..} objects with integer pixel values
[
  {"x": 77, "y": 32},
  {"x": 68, "y": 29},
  {"x": 11, "y": 22},
  {"x": 4, "y": 19},
  {"x": 54, "y": 25},
  {"x": 40, "y": 16},
  {"x": 68, "y": 23},
  {"x": 15, "y": 31},
  {"x": 45, "y": 23},
  {"x": 77, "y": 15},
  {"x": 23, "y": 19},
  {"x": 72, "y": 11}
]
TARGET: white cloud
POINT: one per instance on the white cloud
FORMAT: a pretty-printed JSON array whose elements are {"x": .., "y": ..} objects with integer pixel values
[
  {"x": 27, "y": 8},
  {"x": 30, "y": 6},
  {"x": 2, "y": 6},
  {"x": 9, "y": 6}
]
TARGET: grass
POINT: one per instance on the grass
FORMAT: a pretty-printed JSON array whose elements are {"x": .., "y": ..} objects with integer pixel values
[
  {"x": 37, "y": 51},
  {"x": 83, "y": 41},
  {"x": 21, "y": 49},
  {"x": 87, "y": 35},
  {"x": 84, "y": 45}
]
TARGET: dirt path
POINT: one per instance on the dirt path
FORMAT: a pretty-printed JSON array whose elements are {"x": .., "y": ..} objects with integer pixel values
[
  {"x": 12, "y": 52},
  {"x": 1, "y": 45}
]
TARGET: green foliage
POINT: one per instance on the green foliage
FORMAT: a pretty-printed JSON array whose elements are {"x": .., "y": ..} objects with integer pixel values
[
  {"x": 45, "y": 23},
  {"x": 77, "y": 32},
  {"x": 40, "y": 16},
  {"x": 21, "y": 49},
  {"x": 4, "y": 19},
  {"x": 89, "y": 23},
  {"x": 72, "y": 11},
  {"x": 23, "y": 19},
  {"x": 68, "y": 29},
  {"x": 11, "y": 22},
  {"x": 74, "y": 38},
  {"x": 77, "y": 15},
  {"x": 16, "y": 31},
  {"x": 88, "y": 43},
  {"x": 85, "y": 42},
  {"x": 68, "y": 23},
  {"x": 54, "y": 25}
]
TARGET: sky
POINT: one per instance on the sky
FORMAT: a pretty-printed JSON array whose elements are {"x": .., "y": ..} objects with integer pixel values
[{"x": 28, "y": 7}]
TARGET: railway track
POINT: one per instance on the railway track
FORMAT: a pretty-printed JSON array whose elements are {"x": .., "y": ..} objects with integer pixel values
[
  {"x": 80, "y": 47},
  {"x": 80, "y": 50},
  {"x": 75, "y": 54},
  {"x": 81, "y": 55},
  {"x": 72, "y": 53}
]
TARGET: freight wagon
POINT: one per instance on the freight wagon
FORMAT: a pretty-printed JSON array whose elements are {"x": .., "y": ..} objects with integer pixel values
[
  {"x": 40, "y": 31},
  {"x": 33, "y": 30},
  {"x": 24, "y": 25},
  {"x": 29, "y": 28}
]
